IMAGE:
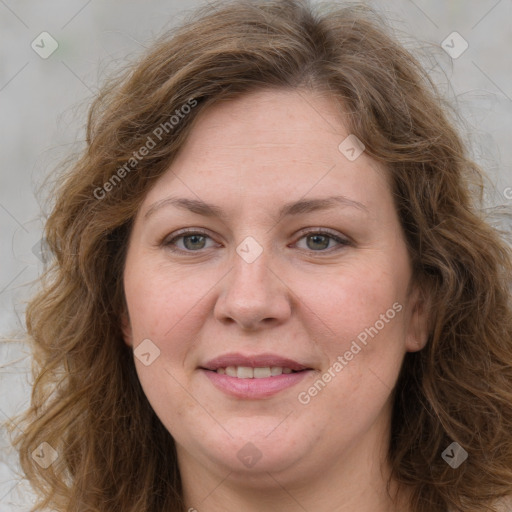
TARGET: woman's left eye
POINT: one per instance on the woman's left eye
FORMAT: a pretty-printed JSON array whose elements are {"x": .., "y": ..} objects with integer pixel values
[
  {"x": 194, "y": 241},
  {"x": 319, "y": 241}
]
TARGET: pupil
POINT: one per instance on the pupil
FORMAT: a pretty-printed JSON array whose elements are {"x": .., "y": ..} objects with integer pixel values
[
  {"x": 318, "y": 239},
  {"x": 194, "y": 239}
]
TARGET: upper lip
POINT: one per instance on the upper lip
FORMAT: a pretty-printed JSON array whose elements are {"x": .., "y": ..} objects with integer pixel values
[{"x": 252, "y": 361}]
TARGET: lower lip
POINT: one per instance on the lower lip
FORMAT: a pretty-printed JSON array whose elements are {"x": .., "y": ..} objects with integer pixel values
[{"x": 254, "y": 388}]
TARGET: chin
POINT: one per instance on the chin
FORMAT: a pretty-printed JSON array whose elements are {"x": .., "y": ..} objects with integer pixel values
[{"x": 258, "y": 450}]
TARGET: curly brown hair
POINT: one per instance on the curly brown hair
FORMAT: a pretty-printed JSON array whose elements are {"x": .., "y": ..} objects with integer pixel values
[{"x": 87, "y": 402}]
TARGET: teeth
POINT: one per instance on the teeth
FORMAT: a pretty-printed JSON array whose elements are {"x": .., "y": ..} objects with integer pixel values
[
  {"x": 230, "y": 371},
  {"x": 246, "y": 372},
  {"x": 261, "y": 373}
]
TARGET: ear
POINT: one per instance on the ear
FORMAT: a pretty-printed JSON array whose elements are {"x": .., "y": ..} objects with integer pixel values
[
  {"x": 418, "y": 329},
  {"x": 126, "y": 328}
]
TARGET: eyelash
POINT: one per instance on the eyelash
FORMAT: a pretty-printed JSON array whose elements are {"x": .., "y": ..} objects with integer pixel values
[{"x": 169, "y": 243}]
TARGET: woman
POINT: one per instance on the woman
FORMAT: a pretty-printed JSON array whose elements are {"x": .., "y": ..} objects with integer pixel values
[{"x": 271, "y": 287}]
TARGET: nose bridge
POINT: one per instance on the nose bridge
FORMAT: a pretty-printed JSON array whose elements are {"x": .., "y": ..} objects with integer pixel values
[
  {"x": 252, "y": 293},
  {"x": 252, "y": 267}
]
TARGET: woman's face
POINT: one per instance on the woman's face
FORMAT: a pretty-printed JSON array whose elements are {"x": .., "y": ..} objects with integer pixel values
[{"x": 298, "y": 265}]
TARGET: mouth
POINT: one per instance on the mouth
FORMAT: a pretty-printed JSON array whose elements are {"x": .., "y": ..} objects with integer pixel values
[
  {"x": 261, "y": 372},
  {"x": 254, "y": 377}
]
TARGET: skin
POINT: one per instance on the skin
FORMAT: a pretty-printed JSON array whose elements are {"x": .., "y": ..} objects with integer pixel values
[{"x": 304, "y": 298}]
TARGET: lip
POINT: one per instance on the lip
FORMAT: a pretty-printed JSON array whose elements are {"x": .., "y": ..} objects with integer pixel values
[
  {"x": 254, "y": 389},
  {"x": 253, "y": 361}
]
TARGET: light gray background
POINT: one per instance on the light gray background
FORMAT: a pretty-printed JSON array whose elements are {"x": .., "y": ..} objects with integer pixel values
[{"x": 43, "y": 103}]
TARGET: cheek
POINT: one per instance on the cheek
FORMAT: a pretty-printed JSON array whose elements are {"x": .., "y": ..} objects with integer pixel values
[
  {"x": 166, "y": 389},
  {"x": 363, "y": 303},
  {"x": 163, "y": 302},
  {"x": 163, "y": 308},
  {"x": 364, "y": 346},
  {"x": 362, "y": 313}
]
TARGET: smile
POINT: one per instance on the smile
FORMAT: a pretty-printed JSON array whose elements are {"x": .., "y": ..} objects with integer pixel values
[{"x": 246, "y": 372}]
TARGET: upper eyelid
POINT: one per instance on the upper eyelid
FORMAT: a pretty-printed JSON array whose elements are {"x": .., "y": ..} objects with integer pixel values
[
  {"x": 185, "y": 232},
  {"x": 302, "y": 232}
]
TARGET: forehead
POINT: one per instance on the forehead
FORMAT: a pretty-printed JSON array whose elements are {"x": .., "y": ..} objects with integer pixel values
[{"x": 269, "y": 147}]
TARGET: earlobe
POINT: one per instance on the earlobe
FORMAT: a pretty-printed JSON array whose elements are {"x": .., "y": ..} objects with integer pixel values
[
  {"x": 126, "y": 328},
  {"x": 419, "y": 322}
]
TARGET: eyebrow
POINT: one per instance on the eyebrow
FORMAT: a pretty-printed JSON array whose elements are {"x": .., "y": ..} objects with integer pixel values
[{"x": 299, "y": 207}]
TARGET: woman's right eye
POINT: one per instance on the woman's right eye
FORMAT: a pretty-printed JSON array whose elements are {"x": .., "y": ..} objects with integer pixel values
[{"x": 191, "y": 241}]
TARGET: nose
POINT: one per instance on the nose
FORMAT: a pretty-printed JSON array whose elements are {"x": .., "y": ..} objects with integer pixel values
[{"x": 254, "y": 295}]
